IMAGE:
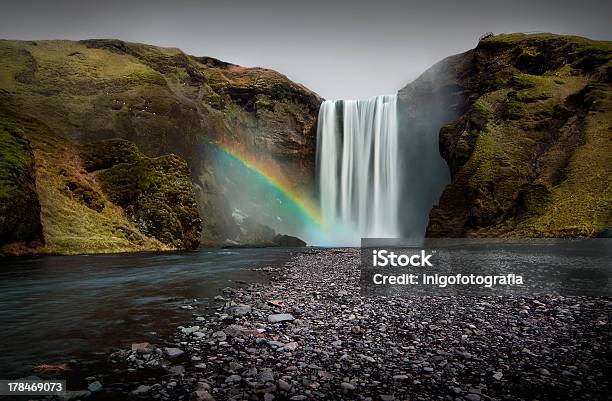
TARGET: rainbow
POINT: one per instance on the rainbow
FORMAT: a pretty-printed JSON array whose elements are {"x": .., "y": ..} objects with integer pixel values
[{"x": 271, "y": 175}]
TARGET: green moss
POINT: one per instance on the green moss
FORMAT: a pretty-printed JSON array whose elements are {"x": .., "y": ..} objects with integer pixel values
[
  {"x": 486, "y": 157},
  {"x": 482, "y": 109},
  {"x": 533, "y": 199},
  {"x": 14, "y": 156},
  {"x": 19, "y": 207},
  {"x": 158, "y": 195},
  {"x": 105, "y": 154},
  {"x": 86, "y": 195},
  {"x": 523, "y": 81},
  {"x": 512, "y": 110}
]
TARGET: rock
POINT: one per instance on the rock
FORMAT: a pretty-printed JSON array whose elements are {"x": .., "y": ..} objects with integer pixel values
[
  {"x": 544, "y": 372},
  {"x": 173, "y": 352},
  {"x": 268, "y": 397},
  {"x": 400, "y": 377},
  {"x": 235, "y": 366},
  {"x": 220, "y": 336},
  {"x": 280, "y": 317},
  {"x": 276, "y": 302},
  {"x": 176, "y": 370},
  {"x": 472, "y": 397},
  {"x": 498, "y": 375},
  {"x": 288, "y": 240},
  {"x": 142, "y": 389},
  {"x": 240, "y": 310},
  {"x": 233, "y": 379},
  {"x": 292, "y": 346},
  {"x": 76, "y": 395},
  {"x": 266, "y": 375},
  {"x": 201, "y": 395},
  {"x": 189, "y": 330},
  {"x": 203, "y": 386},
  {"x": 347, "y": 386},
  {"x": 141, "y": 348},
  {"x": 94, "y": 387},
  {"x": 283, "y": 385}
]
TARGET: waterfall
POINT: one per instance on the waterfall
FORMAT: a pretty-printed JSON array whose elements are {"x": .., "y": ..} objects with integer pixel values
[{"x": 357, "y": 165}]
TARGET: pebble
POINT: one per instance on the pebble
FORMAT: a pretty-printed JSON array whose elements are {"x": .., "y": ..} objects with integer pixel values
[
  {"x": 173, "y": 352},
  {"x": 142, "y": 389},
  {"x": 280, "y": 317},
  {"x": 283, "y": 385},
  {"x": 94, "y": 387},
  {"x": 347, "y": 386},
  {"x": 544, "y": 372}
]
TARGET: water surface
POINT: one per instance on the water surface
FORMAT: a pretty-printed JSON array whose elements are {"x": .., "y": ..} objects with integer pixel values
[{"x": 58, "y": 308}]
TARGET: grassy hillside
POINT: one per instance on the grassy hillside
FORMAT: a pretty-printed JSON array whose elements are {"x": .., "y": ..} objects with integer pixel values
[{"x": 531, "y": 153}]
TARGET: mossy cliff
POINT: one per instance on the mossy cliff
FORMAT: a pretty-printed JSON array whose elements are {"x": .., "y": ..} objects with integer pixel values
[
  {"x": 164, "y": 101},
  {"x": 530, "y": 151},
  {"x": 59, "y": 197},
  {"x": 158, "y": 196},
  {"x": 19, "y": 206}
]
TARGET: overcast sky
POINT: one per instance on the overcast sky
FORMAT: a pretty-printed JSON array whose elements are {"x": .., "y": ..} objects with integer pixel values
[{"x": 340, "y": 49}]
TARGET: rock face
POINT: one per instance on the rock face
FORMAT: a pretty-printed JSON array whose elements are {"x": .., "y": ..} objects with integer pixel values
[
  {"x": 530, "y": 153},
  {"x": 63, "y": 198},
  {"x": 288, "y": 240},
  {"x": 19, "y": 206},
  {"x": 164, "y": 102},
  {"x": 156, "y": 193}
]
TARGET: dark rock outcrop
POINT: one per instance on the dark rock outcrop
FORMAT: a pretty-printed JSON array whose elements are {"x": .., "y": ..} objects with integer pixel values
[
  {"x": 19, "y": 207},
  {"x": 288, "y": 240}
]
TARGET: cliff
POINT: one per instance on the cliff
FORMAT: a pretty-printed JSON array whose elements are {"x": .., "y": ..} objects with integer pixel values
[
  {"x": 164, "y": 102},
  {"x": 529, "y": 148},
  {"x": 19, "y": 206},
  {"x": 58, "y": 198}
]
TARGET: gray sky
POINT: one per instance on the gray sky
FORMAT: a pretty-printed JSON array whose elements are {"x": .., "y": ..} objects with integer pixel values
[{"x": 339, "y": 49}]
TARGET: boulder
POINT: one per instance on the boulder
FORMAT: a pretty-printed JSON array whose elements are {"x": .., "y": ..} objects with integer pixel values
[{"x": 288, "y": 240}]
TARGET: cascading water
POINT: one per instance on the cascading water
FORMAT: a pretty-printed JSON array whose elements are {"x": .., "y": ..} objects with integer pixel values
[{"x": 357, "y": 164}]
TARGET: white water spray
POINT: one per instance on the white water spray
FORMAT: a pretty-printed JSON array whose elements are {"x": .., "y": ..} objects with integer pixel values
[{"x": 357, "y": 164}]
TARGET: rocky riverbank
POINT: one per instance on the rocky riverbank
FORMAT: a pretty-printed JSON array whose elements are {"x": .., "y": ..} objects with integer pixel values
[{"x": 309, "y": 335}]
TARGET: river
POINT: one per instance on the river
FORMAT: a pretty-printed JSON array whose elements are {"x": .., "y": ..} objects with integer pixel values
[{"x": 57, "y": 308}]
